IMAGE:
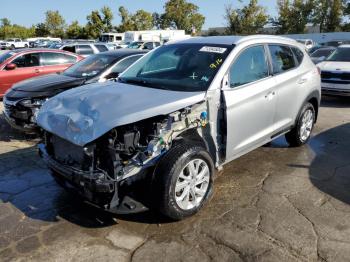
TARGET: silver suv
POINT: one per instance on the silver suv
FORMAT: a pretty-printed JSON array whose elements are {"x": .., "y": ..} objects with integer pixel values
[{"x": 156, "y": 137}]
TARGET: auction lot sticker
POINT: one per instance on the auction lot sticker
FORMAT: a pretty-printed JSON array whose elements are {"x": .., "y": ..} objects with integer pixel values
[{"x": 213, "y": 49}]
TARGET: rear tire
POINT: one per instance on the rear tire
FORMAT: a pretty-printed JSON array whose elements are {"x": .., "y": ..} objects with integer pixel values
[
  {"x": 183, "y": 181},
  {"x": 301, "y": 133}
]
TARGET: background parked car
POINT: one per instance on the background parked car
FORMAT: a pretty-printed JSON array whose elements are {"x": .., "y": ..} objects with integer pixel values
[
  {"x": 14, "y": 43},
  {"x": 24, "y": 99},
  {"x": 85, "y": 49},
  {"x": 336, "y": 43},
  {"x": 143, "y": 45},
  {"x": 335, "y": 72},
  {"x": 321, "y": 54},
  {"x": 22, "y": 64}
]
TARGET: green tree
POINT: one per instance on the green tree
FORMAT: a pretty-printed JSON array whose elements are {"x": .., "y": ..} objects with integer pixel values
[
  {"x": 55, "y": 23},
  {"x": 94, "y": 26},
  {"x": 75, "y": 31},
  {"x": 293, "y": 16},
  {"x": 246, "y": 21},
  {"x": 5, "y": 22},
  {"x": 157, "y": 20},
  {"x": 8, "y": 30},
  {"x": 126, "y": 22},
  {"x": 180, "y": 14},
  {"x": 328, "y": 14},
  {"x": 107, "y": 17},
  {"x": 41, "y": 30},
  {"x": 141, "y": 20},
  {"x": 99, "y": 23}
]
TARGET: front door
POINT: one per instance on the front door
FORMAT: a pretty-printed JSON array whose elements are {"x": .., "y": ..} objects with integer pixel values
[
  {"x": 250, "y": 102},
  {"x": 28, "y": 65}
]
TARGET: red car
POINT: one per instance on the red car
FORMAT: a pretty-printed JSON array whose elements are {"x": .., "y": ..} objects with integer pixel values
[{"x": 18, "y": 65}]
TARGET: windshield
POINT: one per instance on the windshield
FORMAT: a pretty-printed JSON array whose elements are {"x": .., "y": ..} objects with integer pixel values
[
  {"x": 5, "y": 56},
  {"x": 90, "y": 66},
  {"x": 322, "y": 52},
  {"x": 135, "y": 45},
  {"x": 178, "y": 67},
  {"x": 341, "y": 54}
]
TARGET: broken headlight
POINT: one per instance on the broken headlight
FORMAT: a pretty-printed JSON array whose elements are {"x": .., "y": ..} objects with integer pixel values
[{"x": 32, "y": 102}]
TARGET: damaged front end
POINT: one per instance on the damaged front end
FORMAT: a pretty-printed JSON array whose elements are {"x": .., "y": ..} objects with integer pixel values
[{"x": 111, "y": 171}]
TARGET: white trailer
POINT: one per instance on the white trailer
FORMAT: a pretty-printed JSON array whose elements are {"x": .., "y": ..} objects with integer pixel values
[
  {"x": 154, "y": 35},
  {"x": 116, "y": 38}
]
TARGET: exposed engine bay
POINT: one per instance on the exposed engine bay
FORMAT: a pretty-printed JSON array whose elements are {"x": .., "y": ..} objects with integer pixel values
[{"x": 123, "y": 155}]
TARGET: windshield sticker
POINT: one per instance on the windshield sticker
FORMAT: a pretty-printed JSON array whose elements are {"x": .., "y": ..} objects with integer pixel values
[
  {"x": 216, "y": 63},
  {"x": 212, "y": 49}
]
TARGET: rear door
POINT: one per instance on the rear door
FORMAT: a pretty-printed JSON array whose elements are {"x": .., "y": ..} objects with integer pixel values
[
  {"x": 290, "y": 79},
  {"x": 250, "y": 102},
  {"x": 55, "y": 62},
  {"x": 28, "y": 65}
]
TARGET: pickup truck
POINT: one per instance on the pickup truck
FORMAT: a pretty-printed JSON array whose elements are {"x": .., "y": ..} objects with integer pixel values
[{"x": 14, "y": 43}]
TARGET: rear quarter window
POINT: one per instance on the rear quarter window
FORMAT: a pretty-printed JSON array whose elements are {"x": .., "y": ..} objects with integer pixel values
[
  {"x": 282, "y": 58},
  {"x": 101, "y": 48},
  {"x": 299, "y": 55},
  {"x": 85, "y": 50}
]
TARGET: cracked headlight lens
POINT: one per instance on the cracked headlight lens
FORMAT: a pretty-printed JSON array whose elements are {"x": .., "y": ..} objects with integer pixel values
[{"x": 32, "y": 102}]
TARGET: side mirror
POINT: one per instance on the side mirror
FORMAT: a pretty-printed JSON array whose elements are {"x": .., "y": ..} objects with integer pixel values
[
  {"x": 10, "y": 66},
  {"x": 112, "y": 75}
]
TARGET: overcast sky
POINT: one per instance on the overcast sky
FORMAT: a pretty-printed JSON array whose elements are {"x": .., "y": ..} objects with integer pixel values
[{"x": 28, "y": 12}]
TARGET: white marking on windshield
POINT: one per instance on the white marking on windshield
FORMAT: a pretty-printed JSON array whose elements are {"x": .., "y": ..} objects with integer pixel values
[{"x": 193, "y": 76}]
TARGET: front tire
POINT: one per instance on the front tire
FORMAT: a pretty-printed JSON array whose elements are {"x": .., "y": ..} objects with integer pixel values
[
  {"x": 183, "y": 181},
  {"x": 301, "y": 133},
  {"x": 12, "y": 47}
]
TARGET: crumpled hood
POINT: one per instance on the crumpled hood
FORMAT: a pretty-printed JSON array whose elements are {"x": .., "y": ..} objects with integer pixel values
[
  {"x": 334, "y": 66},
  {"x": 83, "y": 114}
]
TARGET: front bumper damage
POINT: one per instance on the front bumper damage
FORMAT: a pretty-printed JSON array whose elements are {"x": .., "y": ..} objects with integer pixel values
[
  {"x": 89, "y": 185},
  {"x": 21, "y": 118}
]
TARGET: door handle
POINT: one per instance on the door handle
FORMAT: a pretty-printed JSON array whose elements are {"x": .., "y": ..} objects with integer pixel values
[
  {"x": 302, "y": 81},
  {"x": 270, "y": 95},
  {"x": 37, "y": 70}
]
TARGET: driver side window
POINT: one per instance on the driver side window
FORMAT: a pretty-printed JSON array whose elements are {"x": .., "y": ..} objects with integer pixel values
[
  {"x": 27, "y": 60},
  {"x": 250, "y": 66}
]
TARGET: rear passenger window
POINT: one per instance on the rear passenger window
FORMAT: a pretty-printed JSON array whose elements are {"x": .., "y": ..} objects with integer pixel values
[
  {"x": 101, "y": 48},
  {"x": 48, "y": 58},
  {"x": 282, "y": 58},
  {"x": 249, "y": 67},
  {"x": 299, "y": 55},
  {"x": 85, "y": 50}
]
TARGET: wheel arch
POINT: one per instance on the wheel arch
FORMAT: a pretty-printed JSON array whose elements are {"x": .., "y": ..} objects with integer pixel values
[
  {"x": 195, "y": 137},
  {"x": 315, "y": 99}
]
